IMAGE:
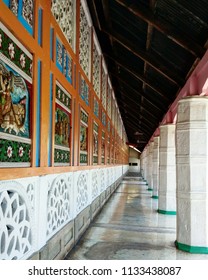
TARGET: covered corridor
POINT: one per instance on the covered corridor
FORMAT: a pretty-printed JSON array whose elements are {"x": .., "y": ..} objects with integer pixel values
[
  {"x": 91, "y": 90},
  {"x": 129, "y": 227}
]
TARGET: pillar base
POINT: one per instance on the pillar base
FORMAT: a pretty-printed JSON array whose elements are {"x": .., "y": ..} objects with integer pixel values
[
  {"x": 155, "y": 196},
  {"x": 166, "y": 212},
  {"x": 191, "y": 249}
]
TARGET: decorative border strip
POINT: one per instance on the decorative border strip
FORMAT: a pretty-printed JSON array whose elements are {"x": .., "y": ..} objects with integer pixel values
[
  {"x": 62, "y": 157},
  {"x": 12, "y": 137},
  {"x": 191, "y": 249},
  {"x": 166, "y": 212},
  {"x": 63, "y": 98},
  {"x": 16, "y": 55},
  {"x": 14, "y": 152},
  {"x": 15, "y": 40},
  {"x": 61, "y": 148}
]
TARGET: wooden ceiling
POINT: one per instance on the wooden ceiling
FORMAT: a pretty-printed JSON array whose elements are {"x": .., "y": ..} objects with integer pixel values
[{"x": 150, "y": 47}]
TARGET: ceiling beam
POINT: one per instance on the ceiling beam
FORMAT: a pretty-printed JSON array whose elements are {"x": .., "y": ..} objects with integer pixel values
[
  {"x": 130, "y": 123},
  {"x": 136, "y": 91},
  {"x": 125, "y": 96},
  {"x": 168, "y": 30},
  {"x": 137, "y": 76},
  {"x": 148, "y": 58},
  {"x": 132, "y": 112}
]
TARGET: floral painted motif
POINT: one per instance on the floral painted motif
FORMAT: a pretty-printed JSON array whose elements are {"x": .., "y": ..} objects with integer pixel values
[
  {"x": 61, "y": 156},
  {"x": 11, "y": 50},
  {"x": 14, "y": 53},
  {"x": 22, "y": 60},
  {"x": 21, "y": 151},
  {"x": 9, "y": 152},
  {"x": 12, "y": 151}
]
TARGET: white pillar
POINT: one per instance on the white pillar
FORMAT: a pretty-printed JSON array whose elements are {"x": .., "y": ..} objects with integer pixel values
[
  {"x": 167, "y": 171},
  {"x": 155, "y": 171},
  {"x": 146, "y": 163},
  {"x": 142, "y": 164},
  {"x": 192, "y": 174},
  {"x": 150, "y": 165}
]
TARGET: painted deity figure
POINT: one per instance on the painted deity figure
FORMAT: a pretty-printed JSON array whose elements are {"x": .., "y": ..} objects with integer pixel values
[
  {"x": 6, "y": 86},
  {"x": 12, "y": 116}
]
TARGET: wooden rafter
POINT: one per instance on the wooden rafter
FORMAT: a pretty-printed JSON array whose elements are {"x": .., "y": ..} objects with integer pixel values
[
  {"x": 168, "y": 30},
  {"x": 138, "y": 76}
]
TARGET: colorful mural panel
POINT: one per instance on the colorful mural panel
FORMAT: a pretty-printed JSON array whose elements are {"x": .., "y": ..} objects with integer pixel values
[
  {"x": 83, "y": 138},
  {"x": 14, "y": 152},
  {"x": 12, "y": 51},
  {"x": 95, "y": 143},
  {"x": 62, "y": 127},
  {"x": 14, "y": 102}
]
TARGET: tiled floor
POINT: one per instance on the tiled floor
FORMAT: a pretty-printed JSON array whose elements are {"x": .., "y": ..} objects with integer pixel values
[{"x": 129, "y": 228}]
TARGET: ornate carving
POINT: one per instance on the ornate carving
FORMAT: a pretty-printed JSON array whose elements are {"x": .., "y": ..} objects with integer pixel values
[
  {"x": 58, "y": 204},
  {"x": 104, "y": 87},
  {"x": 82, "y": 193},
  {"x": 15, "y": 229},
  {"x": 96, "y": 71},
  {"x": 102, "y": 186},
  {"x": 84, "y": 42},
  {"x": 63, "y": 11},
  {"x": 95, "y": 190}
]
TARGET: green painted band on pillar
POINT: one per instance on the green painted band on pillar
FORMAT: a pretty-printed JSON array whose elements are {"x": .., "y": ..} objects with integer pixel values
[
  {"x": 166, "y": 212},
  {"x": 191, "y": 249},
  {"x": 155, "y": 196},
  {"x": 150, "y": 189}
]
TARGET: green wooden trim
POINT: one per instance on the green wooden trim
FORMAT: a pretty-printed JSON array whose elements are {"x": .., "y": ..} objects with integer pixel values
[
  {"x": 191, "y": 249},
  {"x": 166, "y": 212},
  {"x": 155, "y": 196}
]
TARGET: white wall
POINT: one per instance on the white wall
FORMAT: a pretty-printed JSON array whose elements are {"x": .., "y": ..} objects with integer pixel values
[{"x": 134, "y": 161}]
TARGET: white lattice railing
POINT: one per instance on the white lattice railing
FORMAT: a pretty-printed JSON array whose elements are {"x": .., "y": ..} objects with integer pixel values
[{"x": 34, "y": 209}]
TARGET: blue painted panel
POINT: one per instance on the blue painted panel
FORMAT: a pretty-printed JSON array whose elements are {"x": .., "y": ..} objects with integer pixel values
[
  {"x": 59, "y": 46},
  {"x": 22, "y": 20},
  {"x": 38, "y": 115},
  {"x": 51, "y": 43},
  {"x": 50, "y": 120},
  {"x": 40, "y": 22}
]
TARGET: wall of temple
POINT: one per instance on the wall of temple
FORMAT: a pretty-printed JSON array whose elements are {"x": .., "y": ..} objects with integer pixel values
[{"x": 62, "y": 141}]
